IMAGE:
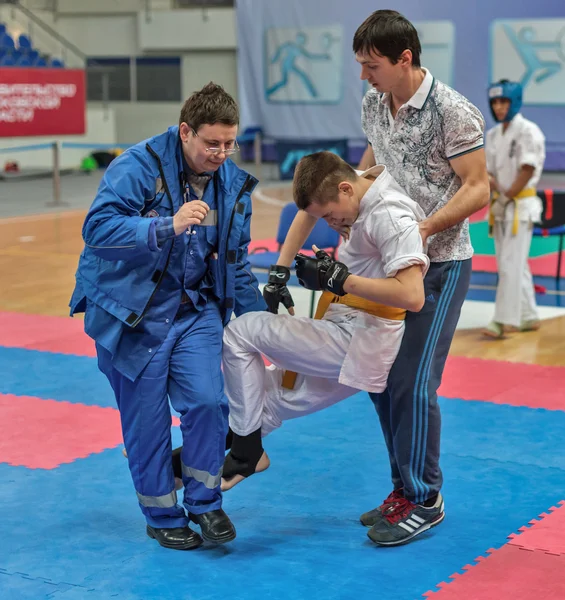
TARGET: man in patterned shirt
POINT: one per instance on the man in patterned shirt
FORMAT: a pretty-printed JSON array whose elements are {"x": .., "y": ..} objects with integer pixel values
[{"x": 431, "y": 140}]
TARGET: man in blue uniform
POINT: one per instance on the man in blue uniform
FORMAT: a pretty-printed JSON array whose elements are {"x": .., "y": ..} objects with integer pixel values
[{"x": 163, "y": 268}]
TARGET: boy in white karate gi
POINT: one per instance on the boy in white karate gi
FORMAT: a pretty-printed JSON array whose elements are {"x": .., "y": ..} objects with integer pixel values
[
  {"x": 351, "y": 346},
  {"x": 515, "y": 151}
]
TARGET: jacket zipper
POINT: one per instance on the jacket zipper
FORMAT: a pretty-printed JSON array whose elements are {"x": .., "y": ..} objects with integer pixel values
[
  {"x": 242, "y": 191},
  {"x": 168, "y": 192},
  {"x": 249, "y": 284}
]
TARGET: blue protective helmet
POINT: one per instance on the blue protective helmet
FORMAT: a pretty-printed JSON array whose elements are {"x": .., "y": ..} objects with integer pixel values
[{"x": 509, "y": 90}]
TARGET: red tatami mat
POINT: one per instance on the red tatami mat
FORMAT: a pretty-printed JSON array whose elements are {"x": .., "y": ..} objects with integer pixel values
[
  {"x": 46, "y": 333},
  {"x": 509, "y": 573},
  {"x": 517, "y": 384},
  {"x": 43, "y": 434},
  {"x": 480, "y": 215},
  {"x": 546, "y": 534},
  {"x": 542, "y": 266}
]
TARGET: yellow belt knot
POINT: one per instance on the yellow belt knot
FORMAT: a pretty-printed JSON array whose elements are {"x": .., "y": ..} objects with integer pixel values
[{"x": 525, "y": 193}]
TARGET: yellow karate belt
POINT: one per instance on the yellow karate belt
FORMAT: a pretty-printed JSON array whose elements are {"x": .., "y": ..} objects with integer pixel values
[
  {"x": 373, "y": 308},
  {"x": 525, "y": 193}
]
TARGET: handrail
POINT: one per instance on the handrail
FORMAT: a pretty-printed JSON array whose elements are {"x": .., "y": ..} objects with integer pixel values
[{"x": 57, "y": 36}]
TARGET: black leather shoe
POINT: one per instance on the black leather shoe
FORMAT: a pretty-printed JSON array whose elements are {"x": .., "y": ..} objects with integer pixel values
[
  {"x": 216, "y": 526},
  {"x": 177, "y": 538}
]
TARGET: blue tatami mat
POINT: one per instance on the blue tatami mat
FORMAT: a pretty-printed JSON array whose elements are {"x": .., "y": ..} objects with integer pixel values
[{"x": 78, "y": 527}]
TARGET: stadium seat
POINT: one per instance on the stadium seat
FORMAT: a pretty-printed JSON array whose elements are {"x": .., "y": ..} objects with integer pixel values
[
  {"x": 24, "y": 42},
  {"x": 6, "y": 41}
]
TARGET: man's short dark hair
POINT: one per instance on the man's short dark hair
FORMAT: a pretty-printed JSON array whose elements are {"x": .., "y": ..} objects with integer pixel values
[
  {"x": 212, "y": 104},
  {"x": 388, "y": 33},
  {"x": 317, "y": 177}
]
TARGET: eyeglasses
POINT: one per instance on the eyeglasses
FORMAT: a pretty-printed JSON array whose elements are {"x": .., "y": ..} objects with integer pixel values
[{"x": 226, "y": 150}]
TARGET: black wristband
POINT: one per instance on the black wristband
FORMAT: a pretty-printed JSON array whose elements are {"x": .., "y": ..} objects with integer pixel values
[
  {"x": 279, "y": 274},
  {"x": 335, "y": 278}
]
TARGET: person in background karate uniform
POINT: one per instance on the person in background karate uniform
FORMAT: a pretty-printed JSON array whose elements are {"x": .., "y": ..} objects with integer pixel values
[{"x": 515, "y": 150}]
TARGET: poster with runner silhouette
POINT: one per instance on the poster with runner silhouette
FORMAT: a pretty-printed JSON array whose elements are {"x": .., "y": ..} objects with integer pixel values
[
  {"x": 533, "y": 53},
  {"x": 304, "y": 64}
]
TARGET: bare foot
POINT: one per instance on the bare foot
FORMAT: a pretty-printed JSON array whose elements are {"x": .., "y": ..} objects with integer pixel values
[
  {"x": 494, "y": 331},
  {"x": 532, "y": 325},
  {"x": 263, "y": 464},
  {"x": 124, "y": 453}
]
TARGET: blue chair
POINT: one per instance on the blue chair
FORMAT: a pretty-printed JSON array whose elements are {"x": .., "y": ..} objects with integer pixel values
[
  {"x": 322, "y": 236},
  {"x": 553, "y": 221},
  {"x": 6, "y": 41},
  {"x": 7, "y": 61},
  {"x": 560, "y": 231},
  {"x": 24, "y": 61},
  {"x": 56, "y": 63},
  {"x": 24, "y": 42},
  {"x": 2, "y": 29}
]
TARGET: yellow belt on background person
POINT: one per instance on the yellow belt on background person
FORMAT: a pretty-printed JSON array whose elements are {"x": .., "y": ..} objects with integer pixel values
[
  {"x": 373, "y": 308},
  {"x": 525, "y": 193}
]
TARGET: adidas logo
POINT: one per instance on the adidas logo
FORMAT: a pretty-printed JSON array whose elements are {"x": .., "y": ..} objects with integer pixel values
[{"x": 430, "y": 298}]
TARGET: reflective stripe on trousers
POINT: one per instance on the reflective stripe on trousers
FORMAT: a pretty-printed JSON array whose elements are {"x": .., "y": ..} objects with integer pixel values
[{"x": 210, "y": 481}]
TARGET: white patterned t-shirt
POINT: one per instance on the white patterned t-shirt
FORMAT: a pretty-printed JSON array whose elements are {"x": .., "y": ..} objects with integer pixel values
[{"x": 435, "y": 126}]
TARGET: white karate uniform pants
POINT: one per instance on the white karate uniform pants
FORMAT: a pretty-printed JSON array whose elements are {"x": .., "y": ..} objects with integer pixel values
[
  {"x": 316, "y": 349},
  {"x": 515, "y": 295}
]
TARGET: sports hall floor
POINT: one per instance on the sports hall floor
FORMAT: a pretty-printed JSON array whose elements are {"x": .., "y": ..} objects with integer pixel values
[{"x": 70, "y": 525}]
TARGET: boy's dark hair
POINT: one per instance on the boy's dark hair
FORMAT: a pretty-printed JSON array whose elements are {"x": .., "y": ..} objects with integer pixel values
[
  {"x": 212, "y": 104},
  {"x": 317, "y": 176},
  {"x": 388, "y": 33}
]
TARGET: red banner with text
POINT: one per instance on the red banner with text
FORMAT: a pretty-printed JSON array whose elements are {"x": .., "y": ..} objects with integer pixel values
[{"x": 36, "y": 102}]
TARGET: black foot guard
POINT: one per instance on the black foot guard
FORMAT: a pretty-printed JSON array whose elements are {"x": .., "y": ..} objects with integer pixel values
[
  {"x": 244, "y": 455},
  {"x": 229, "y": 439},
  {"x": 177, "y": 466}
]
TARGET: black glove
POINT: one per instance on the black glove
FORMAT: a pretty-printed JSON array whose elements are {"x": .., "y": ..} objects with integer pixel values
[
  {"x": 276, "y": 291},
  {"x": 321, "y": 273}
]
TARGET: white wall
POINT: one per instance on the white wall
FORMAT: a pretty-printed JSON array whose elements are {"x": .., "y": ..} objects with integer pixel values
[
  {"x": 101, "y": 36},
  {"x": 198, "y": 68},
  {"x": 136, "y": 121},
  {"x": 119, "y": 34},
  {"x": 114, "y": 35},
  {"x": 100, "y": 129},
  {"x": 90, "y": 7},
  {"x": 187, "y": 29}
]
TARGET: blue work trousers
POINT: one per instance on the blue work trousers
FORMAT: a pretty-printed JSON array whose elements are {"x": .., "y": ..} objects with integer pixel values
[{"x": 186, "y": 369}]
